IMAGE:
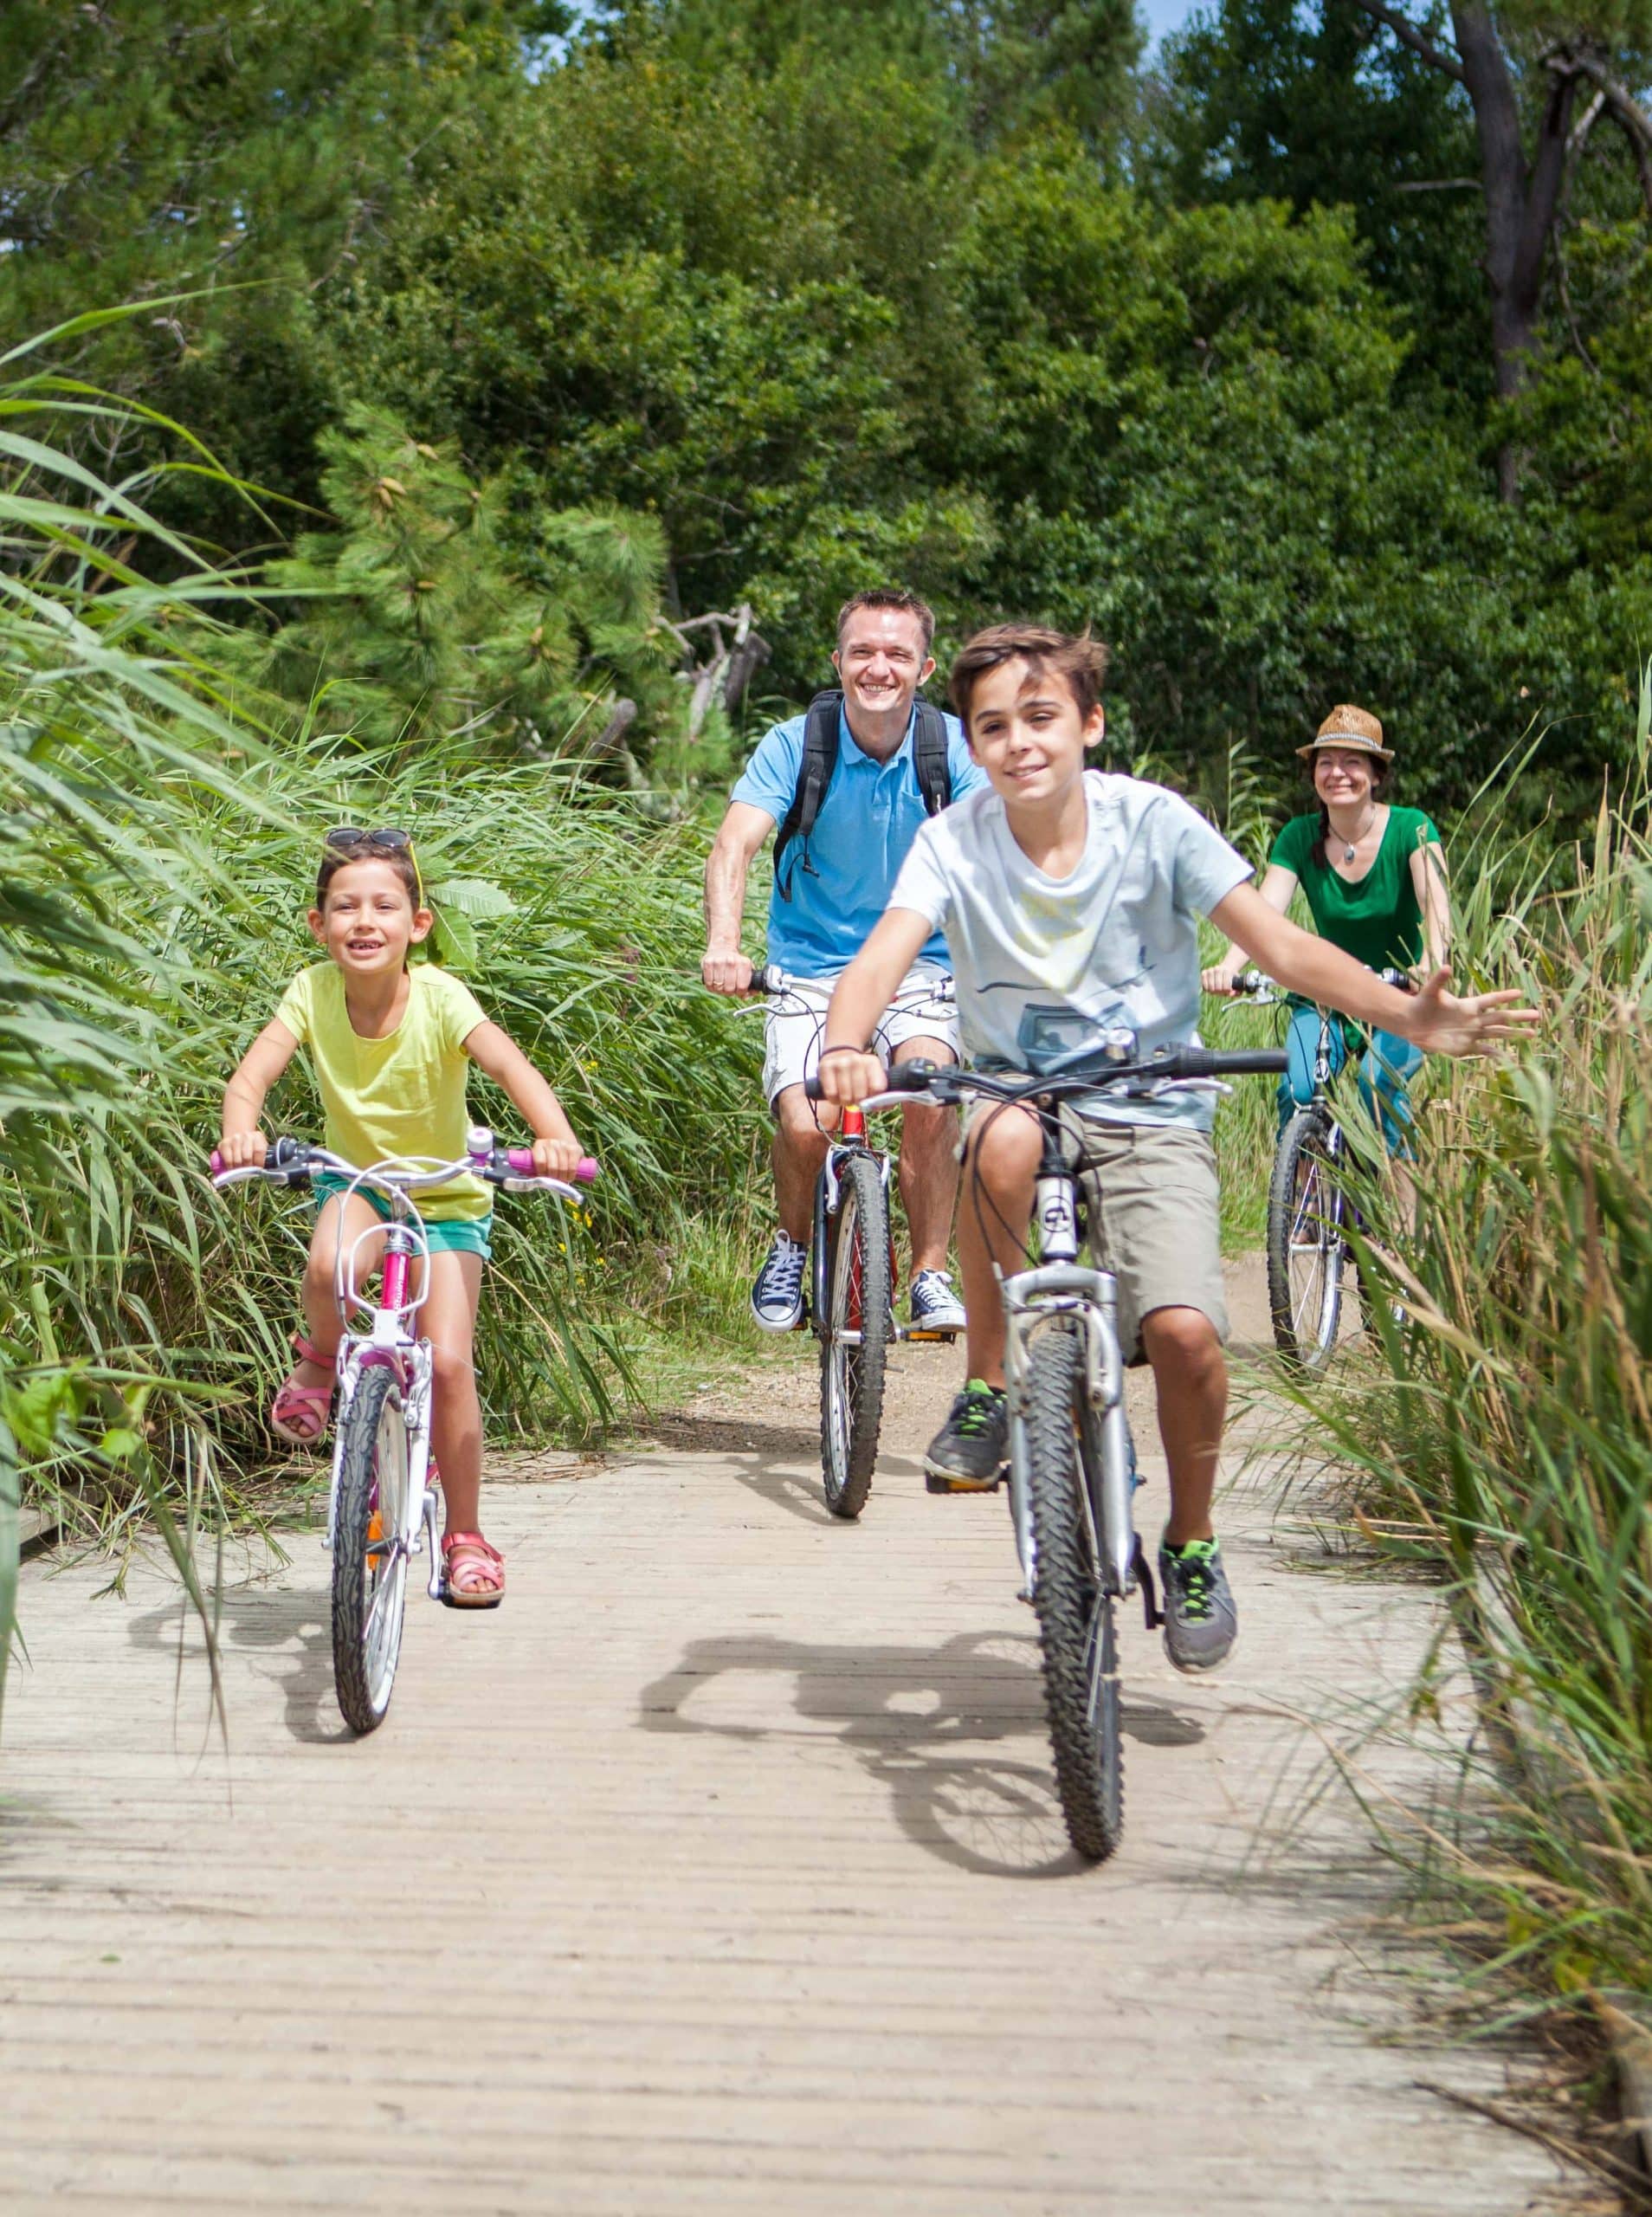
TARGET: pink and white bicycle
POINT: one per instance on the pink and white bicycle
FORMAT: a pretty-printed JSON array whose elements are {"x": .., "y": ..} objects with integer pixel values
[{"x": 382, "y": 1509}]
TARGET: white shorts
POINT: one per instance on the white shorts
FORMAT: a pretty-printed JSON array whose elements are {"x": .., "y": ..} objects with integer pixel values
[{"x": 792, "y": 1036}]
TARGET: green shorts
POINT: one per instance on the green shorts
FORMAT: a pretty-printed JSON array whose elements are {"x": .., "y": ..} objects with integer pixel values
[{"x": 453, "y": 1235}]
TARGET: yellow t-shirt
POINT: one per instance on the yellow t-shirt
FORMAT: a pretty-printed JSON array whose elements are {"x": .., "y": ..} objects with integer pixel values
[{"x": 401, "y": 1094}]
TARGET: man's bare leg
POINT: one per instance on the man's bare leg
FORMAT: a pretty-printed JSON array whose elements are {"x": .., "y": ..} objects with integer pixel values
[{"x": 797, "y": 1152}]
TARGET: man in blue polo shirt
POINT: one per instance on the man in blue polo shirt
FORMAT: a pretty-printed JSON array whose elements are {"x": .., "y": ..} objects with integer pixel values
[{"x": 820, "y": 915}]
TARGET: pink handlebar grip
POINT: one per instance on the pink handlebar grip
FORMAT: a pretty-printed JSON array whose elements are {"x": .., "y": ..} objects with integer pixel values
[{"x": 522, "y": 1161}]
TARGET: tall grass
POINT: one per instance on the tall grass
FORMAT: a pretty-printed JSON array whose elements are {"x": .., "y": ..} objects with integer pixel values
[
  {"x": 157, "y": 853},
  {"x": 1508, "y": 1434}
]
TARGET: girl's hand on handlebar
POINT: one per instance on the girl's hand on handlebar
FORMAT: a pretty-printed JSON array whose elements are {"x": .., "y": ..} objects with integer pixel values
[
  {"x": 243, "y": 1150},
  {"x": 725, "y": 974},
  {"x": 850, "y": 1074},
  {"x": 1218, "y": 980},
  {"x": 1479, "y": 1023},
  {"x": 557, "y": 1158}
]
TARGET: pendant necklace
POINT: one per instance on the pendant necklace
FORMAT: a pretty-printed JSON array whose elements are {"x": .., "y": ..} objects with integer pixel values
[{"x": 1348, "y": 846}]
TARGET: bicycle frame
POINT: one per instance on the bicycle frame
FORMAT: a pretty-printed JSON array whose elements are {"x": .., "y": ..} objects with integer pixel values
[{"x": 1059, "y": 1285}]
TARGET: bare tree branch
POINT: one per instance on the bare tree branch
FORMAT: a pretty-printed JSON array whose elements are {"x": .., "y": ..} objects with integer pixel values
[
  {"x": 1627, "y": 112},
  {"x": 1404, "y": 30},
  {"x": 1444, "y": 185}
]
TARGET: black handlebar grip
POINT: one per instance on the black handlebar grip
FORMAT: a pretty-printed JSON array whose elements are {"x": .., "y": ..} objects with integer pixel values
[{"x": 1250, "y": 1062}]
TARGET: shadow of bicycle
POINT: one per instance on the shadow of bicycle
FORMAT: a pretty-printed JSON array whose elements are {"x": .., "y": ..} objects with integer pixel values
[
  {"x": 255, "y": 1619},
  {"x": 935, "y": 1727}
]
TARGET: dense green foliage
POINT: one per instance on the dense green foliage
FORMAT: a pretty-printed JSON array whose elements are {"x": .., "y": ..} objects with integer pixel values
[{"x": 833, "y": 294}]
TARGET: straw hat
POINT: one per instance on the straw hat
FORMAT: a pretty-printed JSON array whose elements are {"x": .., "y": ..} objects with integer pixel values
[{"x": 1354, "y": 728}]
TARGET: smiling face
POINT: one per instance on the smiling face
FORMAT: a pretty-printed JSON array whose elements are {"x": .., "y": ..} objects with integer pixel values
[
  {"x": 369, "y": 920},
  {"x": 1344, "y": 777},
  {"x": 881, "y": 661},
  {"x": 1027, "y": 731}
]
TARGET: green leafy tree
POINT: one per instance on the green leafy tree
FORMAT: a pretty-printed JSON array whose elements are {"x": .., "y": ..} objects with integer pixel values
[{"x": 425, "y": 615}]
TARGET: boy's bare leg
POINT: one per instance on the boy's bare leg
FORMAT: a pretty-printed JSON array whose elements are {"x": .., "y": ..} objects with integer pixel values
[
  {"x": 1005, "y": 1148},
  {"x": 1191, "y": 1377},
  {"x": 449, "y": 1321},
  {"x": 341, "y": 1220}
]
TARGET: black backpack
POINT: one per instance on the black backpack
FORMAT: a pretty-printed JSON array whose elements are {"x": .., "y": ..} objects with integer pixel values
[{"x": 820, "y": 759}]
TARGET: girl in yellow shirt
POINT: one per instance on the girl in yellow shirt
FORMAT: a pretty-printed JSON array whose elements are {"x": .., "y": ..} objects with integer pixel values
[{"x": 390, "y": 1045}]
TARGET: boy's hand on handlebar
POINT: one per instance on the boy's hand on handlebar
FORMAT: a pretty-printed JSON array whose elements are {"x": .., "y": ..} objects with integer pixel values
[
  {"x": 850, "y": 1074},
  {"x": 1478, "y": 1024},
  {"x": 243, "y": 1150},
  {"x": 725, "y": 974},
  {"x": 557, "y": 1158}
]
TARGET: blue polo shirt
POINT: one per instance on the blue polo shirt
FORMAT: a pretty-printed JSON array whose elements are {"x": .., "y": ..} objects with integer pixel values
[{"x": 867, "y": 820}]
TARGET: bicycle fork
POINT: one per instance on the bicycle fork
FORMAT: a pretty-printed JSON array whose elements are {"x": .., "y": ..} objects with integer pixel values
[{"x": 1060, "y": 1286}]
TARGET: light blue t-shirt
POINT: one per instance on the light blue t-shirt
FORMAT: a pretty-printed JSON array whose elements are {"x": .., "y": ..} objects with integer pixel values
[
  {"x": 867, "y": 821},
  {"x": 1045, "y": 964}
]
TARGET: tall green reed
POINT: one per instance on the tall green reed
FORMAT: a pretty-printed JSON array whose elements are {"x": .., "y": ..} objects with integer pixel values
[{"x": 1507, "y": 1432}]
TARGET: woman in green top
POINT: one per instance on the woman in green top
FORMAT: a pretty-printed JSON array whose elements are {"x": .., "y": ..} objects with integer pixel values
[{"x": 1374, "y": 876}]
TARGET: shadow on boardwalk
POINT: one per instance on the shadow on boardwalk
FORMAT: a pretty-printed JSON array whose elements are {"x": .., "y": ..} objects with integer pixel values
[{"x": 925, "y": 1722}]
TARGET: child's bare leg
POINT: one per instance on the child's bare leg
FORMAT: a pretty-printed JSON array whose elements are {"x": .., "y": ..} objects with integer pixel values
[
  {"x": 341, "y": 1220},
  {"x": 448, "y": 1320},
  {"x": 1190, "y": 1376},
  {"x": 1005, "y": 1149}
]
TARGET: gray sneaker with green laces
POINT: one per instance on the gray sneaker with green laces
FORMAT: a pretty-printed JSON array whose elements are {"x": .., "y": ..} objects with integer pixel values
[
  {"x": 1201, "y": 1621},
  {"x": 968, "y": 1452}
]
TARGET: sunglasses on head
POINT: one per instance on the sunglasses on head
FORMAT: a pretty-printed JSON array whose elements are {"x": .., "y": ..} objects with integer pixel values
[{"x": 351, "y": 840}]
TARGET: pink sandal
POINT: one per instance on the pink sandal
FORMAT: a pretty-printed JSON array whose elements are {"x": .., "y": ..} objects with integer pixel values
[
  {"x": 298, "y": 1413},
  {"x": 462, "y": 1587}
]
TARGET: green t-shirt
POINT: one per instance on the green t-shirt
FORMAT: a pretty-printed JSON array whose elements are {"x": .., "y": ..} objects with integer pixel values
[
  {"x": 401, "y": 1094},
  {"x": 1375, "y": 918}
]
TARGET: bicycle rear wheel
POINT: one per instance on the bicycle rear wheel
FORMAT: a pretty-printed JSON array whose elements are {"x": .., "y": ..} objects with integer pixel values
[
  {"x": 370, "y": 1551},
  {"x": 856, "y": 1339},
  {"x": 1074, "y": 1613},
  {"x": 1307, "y": 1251}
]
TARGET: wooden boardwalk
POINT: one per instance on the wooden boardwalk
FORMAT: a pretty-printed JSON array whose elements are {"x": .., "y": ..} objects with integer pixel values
[{"x": 717, "y": 1872}]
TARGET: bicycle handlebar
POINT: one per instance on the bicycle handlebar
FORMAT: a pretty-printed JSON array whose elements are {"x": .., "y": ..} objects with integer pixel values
[
  {"x": 1168, "y": 1066},
  {"x": 294, "y": 1160}
]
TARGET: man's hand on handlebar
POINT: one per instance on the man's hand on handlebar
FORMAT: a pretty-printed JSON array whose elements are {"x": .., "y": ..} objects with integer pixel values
[
  {"x": 243, "y": 1150},
  {"x": 850, "y": 1074},
  {"x": 725, "y": 974}
]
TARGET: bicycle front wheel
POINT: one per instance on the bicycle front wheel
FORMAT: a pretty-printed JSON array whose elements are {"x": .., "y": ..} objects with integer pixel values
[
  {"x": 1074, "y": 1612},
  {"x": 370, "y": 1550},
  {"x": 855, "y": 1341},
  {"x": 1307, "y": 1249}
]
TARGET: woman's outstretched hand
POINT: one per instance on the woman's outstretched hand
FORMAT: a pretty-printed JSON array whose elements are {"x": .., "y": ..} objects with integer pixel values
[{"x": 1479, "y": 1023}]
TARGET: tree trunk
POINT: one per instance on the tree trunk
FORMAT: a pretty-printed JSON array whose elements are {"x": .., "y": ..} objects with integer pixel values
[{"x": 1521, "y": 198}]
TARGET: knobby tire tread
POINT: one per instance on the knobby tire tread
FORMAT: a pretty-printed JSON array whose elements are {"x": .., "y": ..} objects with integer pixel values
[
  {"x": 351, "y": 1602},
  {"x": 1066, "y": 1588},
  {"x": 862, "y": 1202},
  {"x": 1309, "y": 1127}
]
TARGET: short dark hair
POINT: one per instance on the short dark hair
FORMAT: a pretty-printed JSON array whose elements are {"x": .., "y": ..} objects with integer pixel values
[
  {"x": 1082, "y": 661},
  {"x": 402, "y": 863},
  {"x": 904, "y": 604}
]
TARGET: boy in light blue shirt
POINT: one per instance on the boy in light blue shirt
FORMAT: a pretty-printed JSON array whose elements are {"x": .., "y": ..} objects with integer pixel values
[{"x": 1070, "y": 903}]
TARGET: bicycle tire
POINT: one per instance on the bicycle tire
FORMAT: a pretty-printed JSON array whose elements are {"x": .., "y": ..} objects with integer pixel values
[
  {"x": 1306, "y": 1245},
  {"x": 1074, "y": 1613},
  {"x": 368, "y": 1579},
  {"x": 851, "y": 1377}
]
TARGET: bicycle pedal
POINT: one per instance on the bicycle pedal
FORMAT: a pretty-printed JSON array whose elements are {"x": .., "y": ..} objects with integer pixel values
[{"x": 926, "y": 1338}]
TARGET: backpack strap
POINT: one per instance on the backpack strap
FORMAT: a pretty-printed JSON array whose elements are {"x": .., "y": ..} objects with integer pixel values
[
  {"x": 814, "y": 775},
  {"x": 930, "y": 763},
  {"x": 931, "y": 759}
]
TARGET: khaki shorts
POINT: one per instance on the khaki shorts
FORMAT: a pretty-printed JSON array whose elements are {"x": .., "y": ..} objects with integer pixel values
[{"x": 1155, "y": 1217}]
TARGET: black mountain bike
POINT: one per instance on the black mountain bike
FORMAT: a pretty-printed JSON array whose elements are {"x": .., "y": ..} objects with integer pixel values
[{"x": 1072, "y": 1467}]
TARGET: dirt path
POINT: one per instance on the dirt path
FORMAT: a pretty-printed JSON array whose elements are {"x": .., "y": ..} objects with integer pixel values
[{"x": 717, "y": 1872}]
